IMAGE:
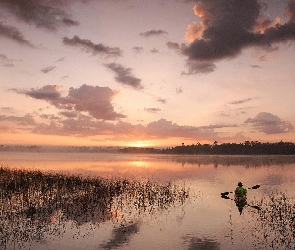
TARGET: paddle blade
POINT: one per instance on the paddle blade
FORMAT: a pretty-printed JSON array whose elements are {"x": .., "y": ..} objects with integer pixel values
[{"x": 256, "y": 207}]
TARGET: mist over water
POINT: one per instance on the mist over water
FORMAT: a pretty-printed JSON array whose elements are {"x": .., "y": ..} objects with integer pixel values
[{"x": 146, "y": 201}]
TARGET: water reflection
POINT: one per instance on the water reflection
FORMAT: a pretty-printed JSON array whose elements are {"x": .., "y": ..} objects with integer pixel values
[
  {"x": 101, "y": 213},
  {"x": 121, "y": 235},
  {"x": 35, "y": 205},
  {"x": 235, "y": 160},
  {"x": 195, "y": 243}
]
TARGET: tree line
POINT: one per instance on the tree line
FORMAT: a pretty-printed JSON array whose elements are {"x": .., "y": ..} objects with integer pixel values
[{"x": 245, "y": 148}]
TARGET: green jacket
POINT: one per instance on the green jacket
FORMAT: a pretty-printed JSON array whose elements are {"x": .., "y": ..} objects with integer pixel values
[{"x": 240, "y": 191}]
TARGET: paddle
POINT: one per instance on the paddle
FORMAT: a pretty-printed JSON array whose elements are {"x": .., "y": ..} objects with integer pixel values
[
  {"x": 228, "y": 198},
  {"x": 227, "y": 193}
]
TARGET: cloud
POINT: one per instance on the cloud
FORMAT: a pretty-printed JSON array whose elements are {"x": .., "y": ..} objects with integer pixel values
[
  {"x": 154, "y": 51},
  {"x": 8, "y": 109},
  {"x": 48, "y": 93},
  {"x": 74, "y": 123},
  {"x": 48, "y": 69},
  {"x": 269, "y": 124},
  {"x": 162, "y": 100},
  {"x": 153, "y": 32},
  {"x": 228, "y": 28},
  {"x": 123, "y": 131},
  {"x": 42, "y": 13},
  {"x": 13, "y": 34},
  {"x": 194, "y": 31},
  {"x": 94, "y": 100},
  {"x": 264, "y": 23},
  {"x": 27, "y": 120},
  {"x": 195, "y": 67},
  {"x": 265, "y": 58},
  {"x": 138, "y": 49},
  {"x": 152, "y": 110},
  {"x": 255, "y": 66},
  {"x": 5, "y": 61},
  {"x": 70, "y": 22},
  {"x": 173, "y": 46},
  {"x": 124, "y": 75},
  {"x": 69, "y": 114},
  {"x": 179, "y": 90},
  {"x": 91, "y": 47},
  {"x": 165, "y": 129},
  {"x": 243, "y": 101}
]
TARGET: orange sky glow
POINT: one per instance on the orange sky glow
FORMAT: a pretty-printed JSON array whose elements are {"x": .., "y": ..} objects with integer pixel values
[{"x": 146, "y": 74}]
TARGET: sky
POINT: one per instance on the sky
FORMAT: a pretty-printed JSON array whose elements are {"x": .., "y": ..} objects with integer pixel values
[{"x": 146, "y": 73}]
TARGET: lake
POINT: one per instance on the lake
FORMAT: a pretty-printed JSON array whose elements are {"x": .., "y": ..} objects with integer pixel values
[{"x": 200, "y": 219}]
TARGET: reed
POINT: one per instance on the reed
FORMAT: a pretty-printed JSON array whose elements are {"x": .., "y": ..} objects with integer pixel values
[
  {"x": 34, "y": 205},
  {"x": 276, "y": 221}
]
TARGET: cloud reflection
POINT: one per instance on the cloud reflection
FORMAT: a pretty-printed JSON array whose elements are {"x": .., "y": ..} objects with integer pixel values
[
  {"x": 121, "y": 236},
  {"x": 35, "y": 205}
]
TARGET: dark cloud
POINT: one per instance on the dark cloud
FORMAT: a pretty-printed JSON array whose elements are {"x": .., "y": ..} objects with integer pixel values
[
  {"x": 91, "y": 47},
  {"x": 92, "y": 99},
  {"x": 162, "y": 100},
  {"x": 41, "y": 13},
  {"x": 27, "y": 120},
  {"x": 49, "y": 116},
  {"x": 70, "y": 22},
  {"x": 124, "y": 75},
  {"x": 269, "y": 124},
  {"x": 195, "y": 67},
  {"x": 5, "y": 61},
  {"x": 13, "y": 34},
  {"x": 48, "y": 69},
  {"x": 48, "y": 93},
  {"x": 138, "y": 49},
  {"x": 154, "y": 51},
  {"x": 231, "y": 26},
  {"x": 174, "y": 46},
  {"x": 243, "y": 101},
  {"x": 152, "y": 110},
  {"x": 69, "y": 114},
  {"x": 153, "y": 33}
]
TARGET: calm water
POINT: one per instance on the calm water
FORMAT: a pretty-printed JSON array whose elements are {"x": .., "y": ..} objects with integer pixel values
[{"x": 203, "y": 221}]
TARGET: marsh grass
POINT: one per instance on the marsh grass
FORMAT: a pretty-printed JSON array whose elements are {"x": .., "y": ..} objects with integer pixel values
[
  {"x": 34, "y": 205},
  {"x": 276, "y": 221}
]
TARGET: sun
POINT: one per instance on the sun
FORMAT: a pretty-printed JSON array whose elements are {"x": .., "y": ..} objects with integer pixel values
[{"x": 139, "y": 144}]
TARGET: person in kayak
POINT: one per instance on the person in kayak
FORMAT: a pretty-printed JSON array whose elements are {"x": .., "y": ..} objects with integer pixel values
[
  {"x": 240, "y": 191},
  {"x": 240, "y": 197}
]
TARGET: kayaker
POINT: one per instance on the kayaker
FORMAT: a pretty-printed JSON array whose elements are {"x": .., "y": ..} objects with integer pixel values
[
  {"x": 240, "y": 197},
  {"x": 240, "y": 191}
]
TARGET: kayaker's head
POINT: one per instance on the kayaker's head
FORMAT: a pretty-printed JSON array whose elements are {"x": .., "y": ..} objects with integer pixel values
[{"x": 240, "y": 184}]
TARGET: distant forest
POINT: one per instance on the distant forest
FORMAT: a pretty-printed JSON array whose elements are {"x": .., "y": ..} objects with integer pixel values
[{"x": 246, "y": 148}]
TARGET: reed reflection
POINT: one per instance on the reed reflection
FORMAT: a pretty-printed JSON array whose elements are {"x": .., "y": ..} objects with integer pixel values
[
  {"x": 275, "y": 222},
  {"x": 35, "y": 205}
]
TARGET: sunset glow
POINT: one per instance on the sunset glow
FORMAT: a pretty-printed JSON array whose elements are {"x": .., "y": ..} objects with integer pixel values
[{"x": 126, "y": 73}]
